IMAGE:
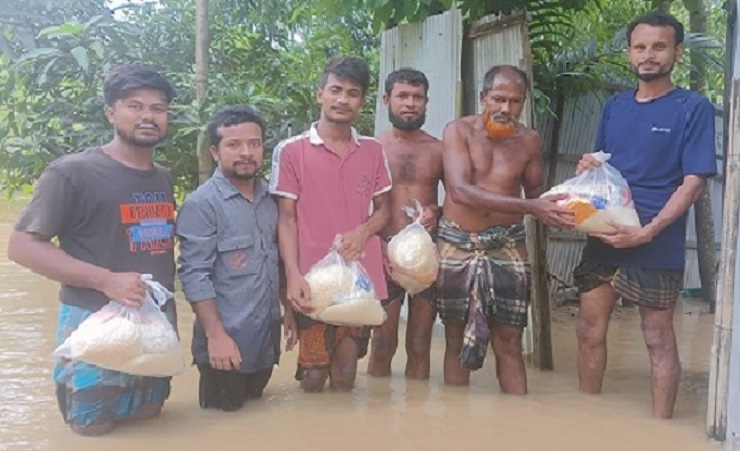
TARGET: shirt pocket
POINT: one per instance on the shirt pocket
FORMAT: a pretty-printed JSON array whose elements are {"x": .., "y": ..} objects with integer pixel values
[{"x": 238, "y": 255}]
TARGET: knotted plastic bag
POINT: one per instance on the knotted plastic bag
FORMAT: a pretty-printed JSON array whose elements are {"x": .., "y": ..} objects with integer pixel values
[
  {"x": 598, "y": 196},
  {"x": 342, "y": 293},
  {"x": 139, "y": 341},
  {"x": 413, "y": 255}
]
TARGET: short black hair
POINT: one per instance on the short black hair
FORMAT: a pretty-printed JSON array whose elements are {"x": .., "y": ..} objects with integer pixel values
[
  {"x": 406, "y": 75},
  {"x": 120, "y": 80},
  {"x": 656, "y": 19},
  {"x": 232, "y": 115},
  {"x": 348, "y": 68},
  {"x": 495, "y": 70}
]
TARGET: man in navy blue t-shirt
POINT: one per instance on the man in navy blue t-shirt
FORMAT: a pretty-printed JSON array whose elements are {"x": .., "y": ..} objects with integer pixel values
[{"x": 661, "y": 138}]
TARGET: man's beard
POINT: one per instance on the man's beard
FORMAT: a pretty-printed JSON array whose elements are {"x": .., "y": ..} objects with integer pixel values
[
  {"x": 402, "y": 124},
  {"x": 235, "y": 173},
  {"x": 653, "y": 75},
  {"x": 132, "y": 139},
  {"x": 497, "y": 130}
]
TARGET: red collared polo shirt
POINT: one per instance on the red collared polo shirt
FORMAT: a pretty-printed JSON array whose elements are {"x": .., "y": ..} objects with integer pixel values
[{"x": 333, "y": 194}]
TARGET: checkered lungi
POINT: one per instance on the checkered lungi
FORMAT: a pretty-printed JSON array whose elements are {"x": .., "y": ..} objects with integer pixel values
[
  {"x": 482, "y": 277},
  {"x": 653, "y": 288}
]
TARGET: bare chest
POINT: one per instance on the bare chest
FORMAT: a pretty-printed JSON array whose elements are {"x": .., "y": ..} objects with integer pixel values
[
  {"x": 415, "y": 166},
  {"x": 501, "y": 163}
]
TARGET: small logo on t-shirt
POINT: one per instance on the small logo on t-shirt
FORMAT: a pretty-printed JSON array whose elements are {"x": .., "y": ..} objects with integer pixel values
[{"x": 661, "y": 130}]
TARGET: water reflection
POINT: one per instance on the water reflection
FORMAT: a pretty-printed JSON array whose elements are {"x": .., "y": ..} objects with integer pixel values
[{"x": 381, "y": 414}]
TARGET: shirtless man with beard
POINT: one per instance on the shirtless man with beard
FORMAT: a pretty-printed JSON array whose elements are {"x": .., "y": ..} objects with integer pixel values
[
  {"x": 483, "y": 287},
  {"x": 415, "y": 161}
]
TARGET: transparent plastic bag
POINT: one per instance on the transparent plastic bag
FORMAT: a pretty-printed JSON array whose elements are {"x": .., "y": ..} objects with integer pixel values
[
  {"x": 598, "y": 196},
  {"x": 413, "y": 255},
  {"x": 342, "y": 293},
  {"x": 139, "y": 341}
]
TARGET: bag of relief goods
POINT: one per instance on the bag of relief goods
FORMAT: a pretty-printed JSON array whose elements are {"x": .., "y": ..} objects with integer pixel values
[
  {"x": 597, "y": 197},
  {"x": 342, "y": 293},
  {"x": 139, "y": 341},
  {"x": 413, "y": 254}
]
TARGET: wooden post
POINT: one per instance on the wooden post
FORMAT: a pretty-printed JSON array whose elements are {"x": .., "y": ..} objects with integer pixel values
[
  {"x": 706, "y": 248},
  {"x": 719, "y": 371},
  {"x": 541, "y": 338},
  {"x": 542, "y": 357},
  {"x": 205, "y": 161},
  {"x": 552, "y": 154}
]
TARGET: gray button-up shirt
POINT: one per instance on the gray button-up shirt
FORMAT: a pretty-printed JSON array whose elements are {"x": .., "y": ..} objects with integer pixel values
[{"x": 229, "y": 252}]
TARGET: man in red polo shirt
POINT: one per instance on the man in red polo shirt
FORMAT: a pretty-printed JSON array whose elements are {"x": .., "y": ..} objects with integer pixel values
[{"x": 328, "y": 181}]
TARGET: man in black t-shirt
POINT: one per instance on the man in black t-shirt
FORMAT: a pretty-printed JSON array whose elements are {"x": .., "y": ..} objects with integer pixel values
[{"x": 112, "y": 210}]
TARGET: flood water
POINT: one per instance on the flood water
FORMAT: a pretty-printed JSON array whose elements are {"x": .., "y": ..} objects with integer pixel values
[{"x": 380, "y": 414}]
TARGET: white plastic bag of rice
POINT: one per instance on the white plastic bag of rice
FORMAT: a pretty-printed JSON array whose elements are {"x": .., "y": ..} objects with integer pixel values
[
  {"x": 139, "y": 341},
  {"x": 342, "y": 293},
  {"x": 413, "y": 255},
  {"x": 598, "y": 197}
]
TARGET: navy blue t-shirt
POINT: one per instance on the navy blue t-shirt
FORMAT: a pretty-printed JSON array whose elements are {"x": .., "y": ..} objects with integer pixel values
[{"x": 654, "y": 145}]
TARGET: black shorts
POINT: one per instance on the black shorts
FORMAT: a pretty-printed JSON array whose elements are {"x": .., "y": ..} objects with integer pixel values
[
  {"x": 229, "y": 390},
  {"x": 653, "y": 288}
]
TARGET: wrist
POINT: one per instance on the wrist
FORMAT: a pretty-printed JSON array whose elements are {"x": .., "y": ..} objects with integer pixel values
[
  {"x": 650, "y": 231},
  {"x": 364, "y": 232},
  {"x": 292, "y": 271},
  {"x": 527, "y": 206},
  {"x": 99, "y": 280},
  {"x": 215, "y": 333}
]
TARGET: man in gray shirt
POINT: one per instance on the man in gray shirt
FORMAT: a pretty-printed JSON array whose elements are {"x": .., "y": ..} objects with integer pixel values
[{"x": 229, "y": 266}]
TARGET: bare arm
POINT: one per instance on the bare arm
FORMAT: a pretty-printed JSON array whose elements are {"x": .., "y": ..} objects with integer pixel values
[
  {"x": 36, "y": 252},
  {"x": 298, "y": 292},
  {"x": 288, "y": 235},
  {"x": 458, "y": 183},
  {"x": 290, "y": 327},
  {"x": 458, "y": 170},
  {"x": 677, "y": 205},
  {"x": 353, "y": 242},
  {"x": 208, "y": 317}
]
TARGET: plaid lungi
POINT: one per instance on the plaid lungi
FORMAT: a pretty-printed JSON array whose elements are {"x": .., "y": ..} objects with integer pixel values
[
  {"x": 653, "y": 288},
  {"x": 482, "y": 277}
]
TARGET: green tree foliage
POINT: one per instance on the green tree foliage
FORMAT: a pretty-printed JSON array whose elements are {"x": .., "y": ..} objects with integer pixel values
[
  {"x": 594, "y": 53},
  {"x": 577, "y": 45},
  {"x": 268, "y": 53},
  {"x": 50, "y": 102}
]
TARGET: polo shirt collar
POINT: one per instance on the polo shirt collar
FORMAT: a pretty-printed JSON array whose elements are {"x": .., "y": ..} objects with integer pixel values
[
  {"x": 315, "y": 139},
  {"x": 228, "y": 190}
]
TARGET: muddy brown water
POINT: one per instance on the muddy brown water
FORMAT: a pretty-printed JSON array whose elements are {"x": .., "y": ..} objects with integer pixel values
[{"x": 380, "y": 414}]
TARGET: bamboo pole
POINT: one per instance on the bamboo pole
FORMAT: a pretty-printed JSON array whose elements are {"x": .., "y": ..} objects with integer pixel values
[
  {"x": 721, "y": 348},
  {"x": 205, "y": 161},
  {"x": 540, "y": 326},
  {"x": 720, "y": 362}
]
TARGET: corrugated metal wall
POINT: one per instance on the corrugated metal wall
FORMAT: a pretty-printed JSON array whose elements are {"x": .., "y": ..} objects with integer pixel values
[
  {"x": 499, "y": 40},
  {"x": 433, "y": 47},
  {"x": 691, "y": 276}
]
